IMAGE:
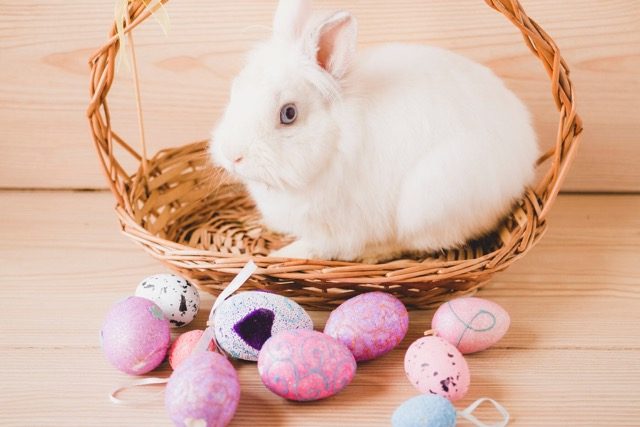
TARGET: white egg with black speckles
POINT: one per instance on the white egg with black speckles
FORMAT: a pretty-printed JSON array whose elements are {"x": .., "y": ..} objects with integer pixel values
[
  {"x": 178, "y": 299},
  {"x": 245, "y": 321}
]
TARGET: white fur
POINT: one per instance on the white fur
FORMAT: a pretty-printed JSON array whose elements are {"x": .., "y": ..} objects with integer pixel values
[{"x": 413, "y": 148}]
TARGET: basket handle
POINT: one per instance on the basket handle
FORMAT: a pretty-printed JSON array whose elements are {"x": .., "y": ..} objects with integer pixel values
[
  {"x": 102, "y": 73},
  {"x": 570, "y": 124},
  {"x": 102, "y": 64}
]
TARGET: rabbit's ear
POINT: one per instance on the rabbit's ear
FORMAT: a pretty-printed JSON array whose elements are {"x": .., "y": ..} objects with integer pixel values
[
  {"x": 291, "y": 17},
  {"x": 333, "y": 43}
]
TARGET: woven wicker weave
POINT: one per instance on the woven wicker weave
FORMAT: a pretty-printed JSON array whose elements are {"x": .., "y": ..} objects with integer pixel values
[{"x": 199, "y": 223}]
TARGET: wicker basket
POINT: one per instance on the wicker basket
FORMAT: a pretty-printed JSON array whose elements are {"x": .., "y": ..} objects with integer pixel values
[{"x": 199, "y": 223}]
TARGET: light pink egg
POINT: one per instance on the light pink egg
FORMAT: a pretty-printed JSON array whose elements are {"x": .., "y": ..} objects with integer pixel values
[
  {"x": 183, "y": 346},
  {"x": 135, "y": 336},
  {"x": 305, "y": 365},
  {"x": 370, "y": 324},
  {"x": 434, "y": 366},
  {"x": 471, "y": 324}
]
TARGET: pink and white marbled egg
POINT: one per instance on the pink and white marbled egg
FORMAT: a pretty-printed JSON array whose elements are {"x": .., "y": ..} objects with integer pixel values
[
  {"x": 369, "y": 324},
  {"x": 305, "y": 365},
  {"x": 434, "y": 366},
  {"x": 471, "y": 324}
]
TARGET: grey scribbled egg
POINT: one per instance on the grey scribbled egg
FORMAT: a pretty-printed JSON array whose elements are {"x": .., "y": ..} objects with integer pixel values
[
  {"x": 178, "y": 299},
  {"x": 246, "y": 320}
]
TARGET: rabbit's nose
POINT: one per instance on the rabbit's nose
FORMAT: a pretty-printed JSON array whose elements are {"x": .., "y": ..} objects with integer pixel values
[{"x": 238, "y": 159}]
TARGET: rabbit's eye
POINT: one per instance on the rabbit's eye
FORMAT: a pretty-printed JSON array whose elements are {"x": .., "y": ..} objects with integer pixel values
[{"x": 288, "y": 114}]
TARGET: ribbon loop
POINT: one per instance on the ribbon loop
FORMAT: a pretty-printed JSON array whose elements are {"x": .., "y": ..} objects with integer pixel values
[
  {"x": 209, "y": 334},
  {"x": 467, "y": 413},
  {"x": 138, "y": 383}
]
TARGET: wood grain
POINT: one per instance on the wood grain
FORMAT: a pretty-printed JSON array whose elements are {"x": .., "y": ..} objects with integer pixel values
[
  {"x": 571, "y": 357},
  {"x": 44, "y": 46}
]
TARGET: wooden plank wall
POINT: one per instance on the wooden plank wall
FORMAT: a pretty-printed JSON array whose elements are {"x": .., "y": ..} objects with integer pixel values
[{"x": 44, "y": 46}]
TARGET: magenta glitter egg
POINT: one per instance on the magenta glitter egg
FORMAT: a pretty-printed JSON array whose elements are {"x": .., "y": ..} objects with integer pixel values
[
  {"x": 135, "y": 336},
  {"x": 305, "y": 365},
  {"x": 203, "y": 391},
  {"x": 370, "y": 324}
]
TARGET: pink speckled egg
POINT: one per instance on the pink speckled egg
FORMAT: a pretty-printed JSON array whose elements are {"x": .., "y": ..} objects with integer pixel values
[
  {"x": 203, "y": 391},
  {"x": 434, "y": 366},
  {"x": 471, "y": 324},
  {"x": 135, "y": 336},
  {"x": 305, "y": 365},
  {"x": 370, "y": 324},
  {"x": 184, "y": 345}
]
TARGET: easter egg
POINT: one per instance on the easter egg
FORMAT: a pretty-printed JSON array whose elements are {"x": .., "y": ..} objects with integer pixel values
[
  {"x": 426, "y": 410},
  {"x": 434, "y": 366},
  {"x": 369, "y": 324},
  {"x": 204, "y": 391},
  {"x": 305, "y": 365},
  {"x": 246, "y": 320},
  {"x": 135, "y": 336},
  {"x": 178, "y": 299},
  {"x": 471, "y": 324},
  {"x": 184, "y": 345}
]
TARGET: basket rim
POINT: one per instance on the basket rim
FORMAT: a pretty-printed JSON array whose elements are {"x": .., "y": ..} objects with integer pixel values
[{"x": 275, "y": 264}]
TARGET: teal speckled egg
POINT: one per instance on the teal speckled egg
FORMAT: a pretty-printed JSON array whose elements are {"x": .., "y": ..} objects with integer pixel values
[{"x": 426, "y": 410}]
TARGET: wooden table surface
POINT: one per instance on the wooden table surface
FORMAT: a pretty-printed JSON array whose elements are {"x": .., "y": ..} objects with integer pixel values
[{"x": 571, "y": 357}]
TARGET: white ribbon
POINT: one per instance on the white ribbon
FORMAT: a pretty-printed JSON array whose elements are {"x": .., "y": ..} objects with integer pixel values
[
  {"x": 139, "y": 383},
  {"x": 467, "y": 413},
  {"x": 209, "y": 333}
]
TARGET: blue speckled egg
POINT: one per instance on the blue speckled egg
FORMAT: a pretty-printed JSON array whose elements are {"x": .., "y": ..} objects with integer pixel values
[
  {"x": 245, "y": 321},
  {"x": 427, "y": 410}
]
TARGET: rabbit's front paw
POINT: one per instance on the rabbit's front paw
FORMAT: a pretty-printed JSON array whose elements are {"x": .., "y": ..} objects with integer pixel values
[{"x": 300, "y": 249}]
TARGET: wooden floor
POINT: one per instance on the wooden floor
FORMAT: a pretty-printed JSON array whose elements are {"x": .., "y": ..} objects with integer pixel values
[{"x": 572, "y": 356}]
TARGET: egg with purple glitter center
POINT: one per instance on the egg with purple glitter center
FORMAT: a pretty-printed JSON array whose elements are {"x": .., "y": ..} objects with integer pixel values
[
  {"x": 135, "y": 336},
  {"x": 245, "y": 321},
  {"x": 305, "y": 365},
  {"x": 203, "y": 391},
  {"x": 370, "y": 324}
]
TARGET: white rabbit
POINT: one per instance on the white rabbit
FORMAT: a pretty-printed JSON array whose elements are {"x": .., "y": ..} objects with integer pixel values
[{"x": 400, "y": 148}]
